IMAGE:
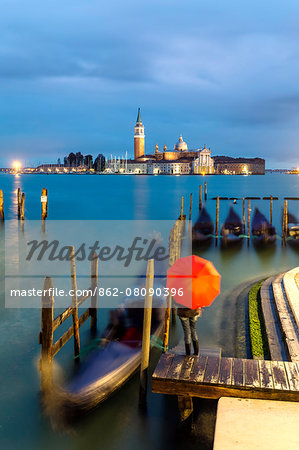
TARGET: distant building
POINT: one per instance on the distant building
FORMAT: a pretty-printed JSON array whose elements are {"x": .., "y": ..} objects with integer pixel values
[
  {"x": 179, "y": 152},
  {"x": 239, "y": 166},
  {"x": 203, "y": 164}
]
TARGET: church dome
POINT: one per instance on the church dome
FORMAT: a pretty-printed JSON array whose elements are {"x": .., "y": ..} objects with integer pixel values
[{"x": 181, "y": 145}]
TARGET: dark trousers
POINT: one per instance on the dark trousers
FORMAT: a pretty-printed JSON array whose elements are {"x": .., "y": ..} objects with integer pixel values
[{"x": 189, "y": 327}]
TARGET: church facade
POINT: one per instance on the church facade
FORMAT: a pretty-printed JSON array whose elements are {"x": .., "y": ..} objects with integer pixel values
[{"x": 179, "y": 160}]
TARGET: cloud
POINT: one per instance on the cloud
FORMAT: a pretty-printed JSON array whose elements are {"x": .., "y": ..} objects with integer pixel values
[{"x": 222, "y": 71}]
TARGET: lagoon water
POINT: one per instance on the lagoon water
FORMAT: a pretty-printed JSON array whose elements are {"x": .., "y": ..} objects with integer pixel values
[{"x": 117, "y": 423}]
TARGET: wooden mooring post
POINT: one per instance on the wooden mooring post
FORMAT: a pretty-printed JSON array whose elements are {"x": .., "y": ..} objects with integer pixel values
[
  {"x": 190, "y": 210},
  {"x": 244, "y": 219},
  {"x": 94, "y": 293},
  {"x": 271, "y": 208},
  {"x": 146, "y": 334},
  {"x": 1, "y": 205},
  {"x": 217, "y": 219},
  {"x": 74, "y": 302},
  {"x": 206, "y": 191},
  {"x": 285, "y": 223},
  {"x": 182, "y": 208},
  {"x": 22, "y": 206},
  {"x": 248, "y": 220},
  {"x": 19, "y": 202},
  {"x": 200, "y": 198},
  {"x": 46, "y": 336},
  {"x": 44, "y": 202}
]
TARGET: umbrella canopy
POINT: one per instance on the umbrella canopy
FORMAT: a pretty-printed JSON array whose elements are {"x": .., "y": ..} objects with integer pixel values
[{"x": 193, "y": 282}]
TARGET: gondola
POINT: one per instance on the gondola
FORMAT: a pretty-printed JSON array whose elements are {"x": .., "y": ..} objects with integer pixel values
[
  {"x": 203, "y": 229},
  {"x": 232, "y": 230},
  {"x": 293, "y": 231},
  {"x": 263, "y": 233},
  {"x": 108, "y": 367}
]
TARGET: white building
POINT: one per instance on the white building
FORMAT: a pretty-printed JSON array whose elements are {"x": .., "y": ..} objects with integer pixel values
[
  {"x": 177, "y": 167},
  {"x": 203, "y": 163}
]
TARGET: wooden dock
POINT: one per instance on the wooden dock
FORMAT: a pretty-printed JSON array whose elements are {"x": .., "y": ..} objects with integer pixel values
[{"x": 214, "y": 377}]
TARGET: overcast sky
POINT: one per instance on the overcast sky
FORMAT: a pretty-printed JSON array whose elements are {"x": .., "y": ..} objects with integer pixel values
[{"x": 223, "y": 73}]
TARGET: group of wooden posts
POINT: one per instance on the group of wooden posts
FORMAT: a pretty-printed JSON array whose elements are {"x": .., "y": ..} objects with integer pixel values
[
  {"x": 49, "y": 324},
  {"x": 21, "y": 204},
  {"x": 245, "y": 222}
]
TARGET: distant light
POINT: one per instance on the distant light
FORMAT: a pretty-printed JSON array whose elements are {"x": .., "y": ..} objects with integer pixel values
[{"x": 16, "y": 165}]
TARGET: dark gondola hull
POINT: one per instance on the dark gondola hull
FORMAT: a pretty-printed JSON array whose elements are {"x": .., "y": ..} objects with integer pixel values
[
  {"x": 203, "y": 229},
  {"x": 232, "y": 230},
  {"x": 263, "y": 233},
  {"x": 103, "y": 372}
]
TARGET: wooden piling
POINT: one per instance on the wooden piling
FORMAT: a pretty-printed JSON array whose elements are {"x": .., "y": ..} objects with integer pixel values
[
  {"x": 44, "y": 201},
  {"x": 244, "y": 219},
  {"x": 94, "y": 293},
  {"x": 46, "y": 335},
  {"x": 206, "y": 191},
  {"x": 200, "y": 197},
  {"x": 168, "y": 303},
  {"x": 217, "y": 219},
  {"x": 248, "y": 220},
  {"x": 23, "y": 206},
  {"x": 182, "y": 208},
  {"x": 190, "y": 210},
  {"x": 1, "y": 205},
  {"x": 285, "y": 222},
  {"x": 19, "y": 202},
  {"x": 74, "y": 302},
  {"x": 271, "y": 209},
  {"x": 146, "y": 334}
]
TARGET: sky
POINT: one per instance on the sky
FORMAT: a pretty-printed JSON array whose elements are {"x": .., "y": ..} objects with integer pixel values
[{"x": 223, "y": 73}]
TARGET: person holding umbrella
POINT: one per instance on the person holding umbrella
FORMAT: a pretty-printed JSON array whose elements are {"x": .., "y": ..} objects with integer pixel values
[
  {"x": 188, "y": 318},
  {"x": 195, "y": 283}
]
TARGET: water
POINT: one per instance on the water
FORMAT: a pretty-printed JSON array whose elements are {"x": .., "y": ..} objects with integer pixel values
[{"x": 117, "y": 423}]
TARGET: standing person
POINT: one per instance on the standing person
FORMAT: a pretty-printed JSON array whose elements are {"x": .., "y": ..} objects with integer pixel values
[{"x": 188, "y": 318}]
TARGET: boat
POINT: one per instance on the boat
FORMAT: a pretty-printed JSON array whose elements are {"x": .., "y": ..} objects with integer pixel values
[
  {"x": 293, "y": 230},
  {"x": 106, "y": 368},
  {"x": 232, "y": 231},
  {"x": 203, "y": 229},
  {"x": 263, "y": 232}
]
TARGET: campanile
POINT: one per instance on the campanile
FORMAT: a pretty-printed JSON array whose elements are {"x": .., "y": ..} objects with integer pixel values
[{"x": 139, "y": 137}]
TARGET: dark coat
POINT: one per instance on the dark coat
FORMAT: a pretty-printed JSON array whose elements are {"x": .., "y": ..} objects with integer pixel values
[{"x": 187, "y": 312}]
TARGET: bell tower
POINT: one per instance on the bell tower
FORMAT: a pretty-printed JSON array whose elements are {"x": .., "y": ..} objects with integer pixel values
[{"x": 139, "y": 136}]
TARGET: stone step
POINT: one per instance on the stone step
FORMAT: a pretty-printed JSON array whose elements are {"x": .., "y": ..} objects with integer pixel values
[
  {"x": 276, "y": 344},
  {"x": 292, "y": 292},
  {"x": 288, "y": 325}
]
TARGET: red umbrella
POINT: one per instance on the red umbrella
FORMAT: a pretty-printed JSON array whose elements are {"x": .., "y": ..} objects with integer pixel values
[{"x": 193, "y": 282}]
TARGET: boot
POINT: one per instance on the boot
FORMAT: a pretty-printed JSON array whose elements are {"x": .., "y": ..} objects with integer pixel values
[
  {"x": 196, "y": 348},
  {"x": 188, "y": 349}
]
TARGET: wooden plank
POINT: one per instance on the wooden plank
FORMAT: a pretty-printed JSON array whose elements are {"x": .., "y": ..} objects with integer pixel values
[
  {"x": 84, "y": 317},
  {"x": 225, "y": 372},
  {"x": 198, "y": 369},
  {"x": 238, "y": 372},
  {"x": 175, "y": 368},
  {"x": 279, "y": 375},
  {"x": 163, "y": 365},
  {"x": 187, "y": 367},
  {"x": 63, "y": 340},
  {"x": 68, "y": 311},
  {"x": 251, "y": 372},
  {"x": 205, "y": 390},
  {"x": 292, "y": 373},
  {"x": 212, "y": 370},
  {"x": 266, "y": 377}
]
